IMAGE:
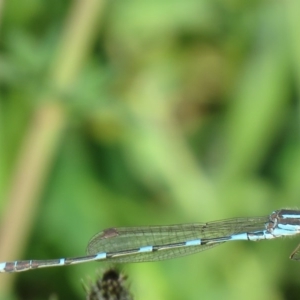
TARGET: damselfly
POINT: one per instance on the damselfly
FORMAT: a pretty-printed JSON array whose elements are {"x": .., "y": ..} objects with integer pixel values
[{"x": 153, "y": 243}]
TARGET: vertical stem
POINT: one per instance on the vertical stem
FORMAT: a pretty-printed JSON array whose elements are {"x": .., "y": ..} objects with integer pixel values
[{"x": 43, "y": 135}]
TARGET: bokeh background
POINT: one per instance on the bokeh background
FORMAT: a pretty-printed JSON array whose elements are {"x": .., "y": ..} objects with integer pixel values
[{"x": 128, "y": 113}]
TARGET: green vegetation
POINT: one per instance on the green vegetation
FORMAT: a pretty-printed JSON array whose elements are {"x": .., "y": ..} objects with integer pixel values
[{"x": 127, "y": 113}]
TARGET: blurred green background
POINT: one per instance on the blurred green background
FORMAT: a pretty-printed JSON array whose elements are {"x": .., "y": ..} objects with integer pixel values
[{"x": 128, "y": 113}]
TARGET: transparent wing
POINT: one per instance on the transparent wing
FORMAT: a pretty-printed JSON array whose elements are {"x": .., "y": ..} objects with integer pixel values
[{"x": 123, "y": 239}]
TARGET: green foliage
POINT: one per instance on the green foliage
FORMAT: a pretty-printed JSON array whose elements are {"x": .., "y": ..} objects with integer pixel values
[{"x": 176, "y": 111}]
